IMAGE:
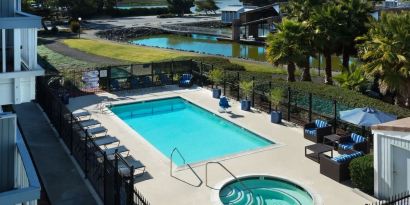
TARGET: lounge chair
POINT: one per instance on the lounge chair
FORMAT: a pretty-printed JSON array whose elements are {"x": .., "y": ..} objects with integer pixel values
[
  {"x": 115, "y": 85},
  {"x": 123, "y": 168},
  {"x": 89, "y": 123},
  {"x": 353, "y": 142},
  {"x": 97, "y": 130},
  {"x": 315, "y": 131},
  {"x": 113, "y": 150},
  {"x": 106, "y": 140},
  {"x": 164, "y": 79},
  {"x": 82, "y": 114},
  {"x": 223, "y": 103},
  {"x": 186, "y": 80},
  {"x": 337, "y": 168},
  {"x": 135, "y": 83},
  {"x": 146, "y": 81}
]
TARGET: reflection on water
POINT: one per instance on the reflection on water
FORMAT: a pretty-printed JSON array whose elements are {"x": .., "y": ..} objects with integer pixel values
[
  {"x": 220, "y": 3},
  {"x": 203, "y": 44}
]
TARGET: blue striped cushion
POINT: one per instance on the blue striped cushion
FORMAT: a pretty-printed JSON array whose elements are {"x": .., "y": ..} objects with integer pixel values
[
  {"x": 320, "y": 123},
  {"x": 311, "y": 131},
  {"x": 346, "y": 157},
  {"x": 357, "y": 138},
  {"x": 341, "y": 158},
  {"x": 346, "y": 146}
]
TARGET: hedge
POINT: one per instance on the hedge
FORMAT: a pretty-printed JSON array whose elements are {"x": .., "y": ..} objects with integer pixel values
[
  {"x": 361, "y": 173},
  {"x": 139, "y": 12},
  {"x": 346, "y": 97}
]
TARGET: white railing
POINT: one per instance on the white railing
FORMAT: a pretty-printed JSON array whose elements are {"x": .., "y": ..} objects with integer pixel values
[{"x": 26, "y": 184}]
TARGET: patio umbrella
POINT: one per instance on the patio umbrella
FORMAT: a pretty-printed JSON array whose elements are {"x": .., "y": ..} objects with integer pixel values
[{"x": 366, "y": 116}]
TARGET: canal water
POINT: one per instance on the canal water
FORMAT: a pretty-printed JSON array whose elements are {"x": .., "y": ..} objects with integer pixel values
[
  {"x": 205, "y": 44},
  {"x": 220, "y": 3}
]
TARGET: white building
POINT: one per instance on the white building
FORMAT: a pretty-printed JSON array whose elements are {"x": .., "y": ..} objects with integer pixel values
[
  {"x": 391, "y": 158},
  {"x": 18, "y": 68},
  {"x": 230, "y": 13},
  {"x": 18, "y": 48}
]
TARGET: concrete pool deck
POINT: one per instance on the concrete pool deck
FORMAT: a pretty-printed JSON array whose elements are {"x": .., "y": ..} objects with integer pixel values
[{"x": 285, "y": 161}]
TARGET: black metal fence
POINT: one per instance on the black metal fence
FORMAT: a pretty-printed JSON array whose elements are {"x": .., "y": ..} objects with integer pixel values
[
  {"x": 297, "y": 106},
  {"x": 399, "y": 199},
  {"x": 111, "y": 186}
]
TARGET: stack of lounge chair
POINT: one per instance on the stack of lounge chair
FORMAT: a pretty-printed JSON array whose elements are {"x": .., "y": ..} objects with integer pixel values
[{"x": 109, "y": 145}]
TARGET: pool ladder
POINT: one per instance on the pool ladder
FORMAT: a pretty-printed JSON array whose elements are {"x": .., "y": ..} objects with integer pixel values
[
  {"x": 227, "y": 170},
  {"x": 184, "y": 161}
]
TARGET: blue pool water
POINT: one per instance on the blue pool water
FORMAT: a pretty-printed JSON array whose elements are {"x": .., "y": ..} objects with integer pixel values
[
  {"x": 198, "y": 134},
  {"x": 264, "y": 190}
]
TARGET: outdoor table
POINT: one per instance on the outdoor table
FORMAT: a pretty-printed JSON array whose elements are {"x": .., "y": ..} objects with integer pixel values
[
  {"x": 317, "y": 150},
  {"x": 332, "y": 140}
]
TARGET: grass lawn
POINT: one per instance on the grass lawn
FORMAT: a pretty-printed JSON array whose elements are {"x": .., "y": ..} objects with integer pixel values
[
  {"x": 61, "y": 62},
  {"x": 141, "y": 54},
  {"x": 136, "y": 54}
]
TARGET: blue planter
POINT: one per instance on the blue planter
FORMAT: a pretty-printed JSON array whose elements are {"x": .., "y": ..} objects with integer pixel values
[
  {"x": 216, "y": 93},
  {"x": 276, "y": 117},
  {"x": 245, "y": 105}
]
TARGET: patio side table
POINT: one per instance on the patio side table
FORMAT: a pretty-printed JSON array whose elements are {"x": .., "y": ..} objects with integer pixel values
[
  {"x": 317, "y": 150},
  {"x": 332, "y": 140}
]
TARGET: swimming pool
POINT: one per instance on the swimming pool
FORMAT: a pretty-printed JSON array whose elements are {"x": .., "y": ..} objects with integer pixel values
[
  {"x": 197, "y": 133},
  {"x": 267, "y": 190}
]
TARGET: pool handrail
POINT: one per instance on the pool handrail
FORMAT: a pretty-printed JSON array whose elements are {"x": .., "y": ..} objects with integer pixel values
[
  {"x": 227, "y": 170},
  {"x": 189, "y": 166}
]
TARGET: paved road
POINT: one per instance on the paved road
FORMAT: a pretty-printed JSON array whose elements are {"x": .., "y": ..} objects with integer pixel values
[{"x": 62, "y": 181}]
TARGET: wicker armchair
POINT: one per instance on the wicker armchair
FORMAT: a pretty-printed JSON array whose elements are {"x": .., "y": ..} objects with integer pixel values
[
  {"x": 352, "y": 142},
  {"x": 337, "y": 168},
  {"x": 315, "y": 131}
]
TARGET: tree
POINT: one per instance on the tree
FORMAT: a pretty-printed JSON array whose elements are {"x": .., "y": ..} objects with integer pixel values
[
  {"x": 355, "y": 23},
  {"x": 326, "y": 23},
  {"x": 352, "y": 78},
  {"x": 385, "y": 52},
  {"x": 300, "y": 10},
  {"x": 283, "y": 47},
  {"x": 180, "y": 7},
  {"x": 257, "y": 2},
  {"x": 206, "y": 6}
]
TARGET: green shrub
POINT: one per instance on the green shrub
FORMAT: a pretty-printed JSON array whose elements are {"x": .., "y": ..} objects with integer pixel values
[
  {"x": 217, "y": 62},
  {"x": 246, "y": 88},
  {"x": 345, "y": 98},
  {"x": 74, "y": 26},
  {"x": 361, "y": 173},
  {"x": 216, "y": 76},
  {"x": 138, "y": 12}
]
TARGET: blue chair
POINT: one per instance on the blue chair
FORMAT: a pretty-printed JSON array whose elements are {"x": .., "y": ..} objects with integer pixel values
[
  {"x": 146, "y": 81},
  {"x": 315, "y": 131},
  {"x": 337, "y": 168},
  {"x": 134, "y": 83},
  {"x": 223, "y": 103},
  {"x": 115, "y": 85},
  {"x": 164, "y": 79},
  {"x": 186, "y": 80},
  {"x": 352, "y": 142}
]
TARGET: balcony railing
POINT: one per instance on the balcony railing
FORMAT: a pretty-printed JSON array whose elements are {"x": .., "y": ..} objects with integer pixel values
[{"x": 26, "y": 184}]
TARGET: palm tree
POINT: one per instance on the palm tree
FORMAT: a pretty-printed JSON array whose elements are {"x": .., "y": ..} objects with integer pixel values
[
  {"x": 385, "y": 51},
  {"x": 300, "y": 10},
  {"x": 283, "y": 46},
  {"x": 326, "y": 21},
  {"x": 356, "y": 23}
]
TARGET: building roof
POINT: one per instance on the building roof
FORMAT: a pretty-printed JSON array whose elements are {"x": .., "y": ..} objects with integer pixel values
[
  {"x": 232, "y": 8},
  {"x": 402, "y": 125}
]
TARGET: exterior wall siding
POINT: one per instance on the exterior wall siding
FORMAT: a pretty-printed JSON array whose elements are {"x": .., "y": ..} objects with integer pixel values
[
  {"x": 383, "y": 159},
  {"x": 7, "y": 152},
  {"x": 7, "y": 8}
]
